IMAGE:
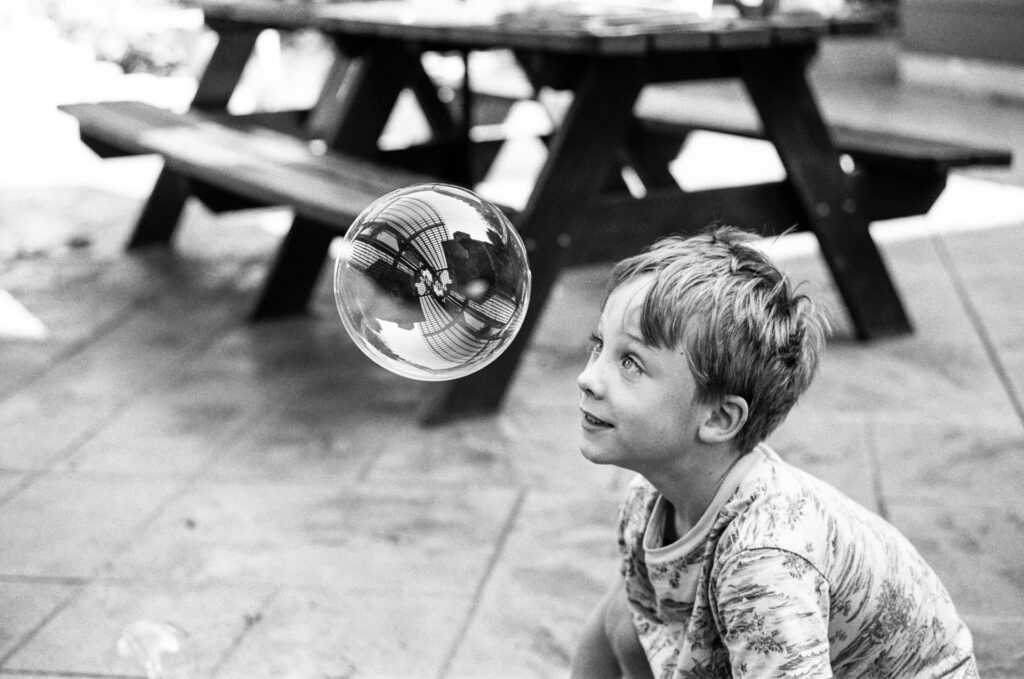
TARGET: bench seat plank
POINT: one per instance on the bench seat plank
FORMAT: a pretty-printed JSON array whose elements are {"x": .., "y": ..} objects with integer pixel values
[
  {"x": 264, "y": 166},
  {"x": 234, "y": 163},
  {"x": 870, "y": 146}
]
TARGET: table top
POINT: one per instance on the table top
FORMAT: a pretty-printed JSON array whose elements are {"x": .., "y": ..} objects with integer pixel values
[{"x": 564, "y": 27}]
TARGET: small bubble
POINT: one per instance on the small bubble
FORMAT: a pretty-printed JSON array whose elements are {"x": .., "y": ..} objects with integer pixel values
[{"x": 160, "y": 649}]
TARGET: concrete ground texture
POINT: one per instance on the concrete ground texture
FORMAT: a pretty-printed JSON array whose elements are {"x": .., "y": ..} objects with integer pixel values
[{"x": 262, "y": 495}]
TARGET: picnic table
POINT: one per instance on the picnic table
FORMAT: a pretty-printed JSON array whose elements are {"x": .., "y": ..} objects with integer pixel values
[{"x": 579, "y": 210}]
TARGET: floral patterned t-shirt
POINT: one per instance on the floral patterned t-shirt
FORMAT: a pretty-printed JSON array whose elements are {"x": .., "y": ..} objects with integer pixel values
[{"x": 784, "y": 576}]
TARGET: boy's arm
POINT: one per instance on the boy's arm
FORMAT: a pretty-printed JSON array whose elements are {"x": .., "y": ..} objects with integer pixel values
[
  {"x": 773, "y": 611},
  {"x": 609, "y": 647}
]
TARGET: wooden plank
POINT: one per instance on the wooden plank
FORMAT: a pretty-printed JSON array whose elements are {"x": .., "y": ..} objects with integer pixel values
[
  {"x": 885, "y": 147},
  {"x": 856, "y": 21},
  {"x": 737, "y": 34},
  {"x": 263, "y": 13},
  {"x": 620, "y": 225},
  {"x": 260, "y": 164},
  {"x": 120, "y": 123},
  {"x": 241, "y": 166},
  {"x": 692, "y": 38},
  {"x": 790, "y": 28},
  {"x": 454, "y": 29},
  {"x": 874, "y": 146}
]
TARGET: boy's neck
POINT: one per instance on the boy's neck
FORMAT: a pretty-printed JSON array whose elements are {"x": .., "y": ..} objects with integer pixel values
[{"x": 690, "y": 489}]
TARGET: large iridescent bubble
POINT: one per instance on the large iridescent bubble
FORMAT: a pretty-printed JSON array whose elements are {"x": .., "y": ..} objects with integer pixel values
[{"x": 432, "y": 282}]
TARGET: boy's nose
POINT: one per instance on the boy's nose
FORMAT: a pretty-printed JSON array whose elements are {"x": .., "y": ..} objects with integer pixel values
[{"x": 588, "y": 381}]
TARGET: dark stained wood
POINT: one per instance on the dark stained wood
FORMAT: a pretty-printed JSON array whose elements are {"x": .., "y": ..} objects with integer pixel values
[
  {"x": 778, "y": 88},
  {"x": 575, "y": 170},
  {"x": 874, "y": 146},
  {"x": 325, "y": 117},
  {"x": 265, "y": 166},
  {"x": 162, "y": 210},
  {"x": 234, "y": 166},
  {"x": 296, "y": 269},
  {"x": 373, "y": 82},
  {"x": 217, "y": 84},
  {"x": 533, "y": 30},
  {"x": 574, "y": 214}
]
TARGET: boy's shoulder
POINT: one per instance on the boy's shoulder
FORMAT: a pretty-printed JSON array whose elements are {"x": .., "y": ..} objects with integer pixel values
[
  {"x": 779, "y": 506},
  {"x": 774, "y": 506},
  {"x": 637, "y": 505}
]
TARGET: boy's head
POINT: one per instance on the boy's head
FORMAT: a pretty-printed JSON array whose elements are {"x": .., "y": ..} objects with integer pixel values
[{"x": 741, "y": 325}]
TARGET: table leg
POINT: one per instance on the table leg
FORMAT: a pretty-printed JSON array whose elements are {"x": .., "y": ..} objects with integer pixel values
[
  {"x": 576, "y": 169},
  {"x": 650, "y": 156},
  {"x": 163, "y": 208},
  {"x": 224, "y": 70},
  {"x": 366, "y": 96},
  {"x": 322, "y": 122},
  {"x": 160, "y": 214},
  {"x": 778, "y": 87},
  {"x": 295, "y": 272},
  {"x": 355, "y": 111}
]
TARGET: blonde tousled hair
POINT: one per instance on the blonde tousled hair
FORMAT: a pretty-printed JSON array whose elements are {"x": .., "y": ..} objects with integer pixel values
[{"x": 745, "y": 329}]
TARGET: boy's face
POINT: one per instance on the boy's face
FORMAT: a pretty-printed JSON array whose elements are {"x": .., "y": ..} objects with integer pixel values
[{"x": 638, "y": 410}]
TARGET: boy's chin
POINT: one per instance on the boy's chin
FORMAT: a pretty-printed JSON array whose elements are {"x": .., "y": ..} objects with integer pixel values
[{"x": 595, "y": 454}]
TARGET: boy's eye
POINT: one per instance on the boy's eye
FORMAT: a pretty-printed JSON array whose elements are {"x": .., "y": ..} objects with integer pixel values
[
  {"x": 595, "y": 344},
  {"x": 630, "y": 364}
]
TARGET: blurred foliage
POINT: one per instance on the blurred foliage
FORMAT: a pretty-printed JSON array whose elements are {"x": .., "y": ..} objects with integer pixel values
[{"x": 141, "y": 36}]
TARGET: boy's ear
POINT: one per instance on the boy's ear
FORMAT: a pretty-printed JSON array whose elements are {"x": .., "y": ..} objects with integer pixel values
[{"x": 724, "y": 420}]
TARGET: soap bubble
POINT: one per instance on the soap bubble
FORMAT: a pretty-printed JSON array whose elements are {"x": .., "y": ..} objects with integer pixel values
[
  {"x": 158, "y": 648},
  {"x": 432, "y": 282}
]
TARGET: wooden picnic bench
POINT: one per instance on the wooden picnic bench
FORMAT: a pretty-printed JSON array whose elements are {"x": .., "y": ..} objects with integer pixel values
[
  {"x": 897, "y": 174},
  {"x": 233, "y": 163},
  {"x": 578, "y": 210}
]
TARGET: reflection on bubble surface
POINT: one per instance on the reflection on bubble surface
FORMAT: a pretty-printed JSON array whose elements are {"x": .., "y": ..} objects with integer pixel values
[{"x": 432, "y": 282}]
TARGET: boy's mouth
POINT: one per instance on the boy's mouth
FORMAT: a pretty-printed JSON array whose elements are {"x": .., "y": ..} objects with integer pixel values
[{"x": 592, "y": 422}]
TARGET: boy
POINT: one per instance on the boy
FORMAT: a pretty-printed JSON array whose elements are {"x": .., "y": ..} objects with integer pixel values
[{"x": 736, "y": 564}]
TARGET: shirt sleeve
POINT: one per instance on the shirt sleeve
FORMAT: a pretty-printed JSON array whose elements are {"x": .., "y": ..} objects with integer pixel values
[{"x": 771, "y": 607}]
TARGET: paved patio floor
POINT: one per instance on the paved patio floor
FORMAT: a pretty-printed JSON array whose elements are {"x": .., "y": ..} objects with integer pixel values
[{"x": 266, "y": 489}]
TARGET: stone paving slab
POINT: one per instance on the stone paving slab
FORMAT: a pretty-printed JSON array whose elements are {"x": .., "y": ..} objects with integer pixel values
[
  {"x": 278, "y": 448},
  {"x": 369, "y": 539},
  {"x": 833, "y": 447},
  {"x": 69, "y": 525},
  {"x": 978, "y": 552},
  {"x": 941, "y": 369},
  {"x": 556, "y": 564},
  {"x": 990, "y": 271},
  {"x": 26, "y": 604},
  {"x": 977, "y": 464},
  {"x": 999, "y": 645},
  {"x": 9, "y": 481},
  {"x": 82, "y": 638},
  {"x": 97, "y": 382},
  {"x": 342, "y": 635}
]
